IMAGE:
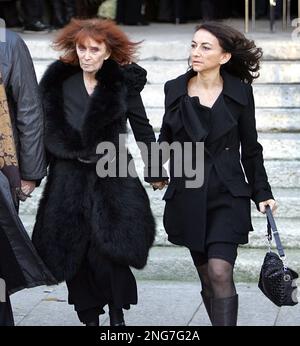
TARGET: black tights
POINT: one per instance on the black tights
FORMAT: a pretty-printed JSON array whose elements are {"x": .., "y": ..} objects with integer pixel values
[
  {"x": 216, "y": 278},
  {"x": 215, "y": 269}
]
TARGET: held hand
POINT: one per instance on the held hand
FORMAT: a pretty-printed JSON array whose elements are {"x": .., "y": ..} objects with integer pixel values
[
  {"x": 273, "y": 205},
  {"x": 27, "y": 186},
  {"x": 159, "y": 185}
]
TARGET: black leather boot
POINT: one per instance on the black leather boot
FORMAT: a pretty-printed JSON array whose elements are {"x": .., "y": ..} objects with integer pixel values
[
  {"x": 6, "y": 314},
  {"x": 116, "y": 317},
  {"x": 207, "y": 303},
  {"x": 224, "y": 311}
]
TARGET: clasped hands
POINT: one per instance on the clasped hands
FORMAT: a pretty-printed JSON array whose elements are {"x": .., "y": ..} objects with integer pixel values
[{"x": 159, "y": 184}]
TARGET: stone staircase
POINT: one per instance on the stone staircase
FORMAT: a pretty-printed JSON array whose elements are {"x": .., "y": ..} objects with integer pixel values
[{"x": 277, "y": 97}]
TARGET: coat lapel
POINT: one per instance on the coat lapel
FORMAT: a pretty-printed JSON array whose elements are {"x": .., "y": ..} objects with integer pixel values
[
  {"x": 222, "y": 119},
  {"x": 179, "y": 88},
  {"x": 196, "y": 118}
]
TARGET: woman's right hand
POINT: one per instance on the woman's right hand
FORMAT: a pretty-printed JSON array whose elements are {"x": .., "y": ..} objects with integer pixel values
[{"x": 271, "y": 202}]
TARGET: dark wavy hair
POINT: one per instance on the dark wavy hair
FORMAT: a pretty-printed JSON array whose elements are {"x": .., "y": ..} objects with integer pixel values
[
  {"x": 122, "y": 50},
  {"x": 245, "y": 56}
]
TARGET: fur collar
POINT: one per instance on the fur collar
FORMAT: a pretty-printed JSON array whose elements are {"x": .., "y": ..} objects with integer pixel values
[{"x": 106, "y": 109}]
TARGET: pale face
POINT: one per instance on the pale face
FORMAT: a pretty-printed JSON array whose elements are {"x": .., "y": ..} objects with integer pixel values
[
  {"x": 206, "y": 53},
  {"x": 91, "y": 55}
]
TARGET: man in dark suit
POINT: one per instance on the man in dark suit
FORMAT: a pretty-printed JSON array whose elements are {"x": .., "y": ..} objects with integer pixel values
[
  {"x": 131, "y": 12},
  {"x": 263, "y": 8},
  {"x": 33, "y": 11}
]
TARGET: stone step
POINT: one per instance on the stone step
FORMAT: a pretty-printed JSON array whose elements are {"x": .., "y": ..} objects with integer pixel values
[
  {"x": 277, "y": 146},
  {"x": 267, "y": 119},
  {"x": 280, "y": 146},
  {"x": 275, "y": 72},
  {"x": 175, "y": 263},
  {"x": 289, "y": 229},
  {"x": 266, "y": 95},
  {"x": 289, "y": 232},
  {"x": 176, "y": 49},
  {"x": 174, "y": 44},
  {"x": 284, "y": 174},
  {"x": 288, "y": 195},
  {"x": 288, "y": 201},
  {"x": 281, "y": 174},
  {"x": 272, "y": 72},
  {"x": 283, "y": 171}
]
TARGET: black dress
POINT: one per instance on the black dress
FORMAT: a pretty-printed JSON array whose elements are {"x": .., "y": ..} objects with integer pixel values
[
  {"x": 110, "y": 283},
  {"x": 218, "y": 200}
]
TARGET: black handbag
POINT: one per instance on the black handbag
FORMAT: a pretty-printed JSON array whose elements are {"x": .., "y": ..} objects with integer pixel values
[{"x": 276, "y": 280}]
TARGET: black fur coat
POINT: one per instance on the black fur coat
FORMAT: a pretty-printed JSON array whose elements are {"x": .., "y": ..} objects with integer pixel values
[{"x": 81, "y": 214}]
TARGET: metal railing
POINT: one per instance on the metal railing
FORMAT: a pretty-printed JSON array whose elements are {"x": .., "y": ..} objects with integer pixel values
[{"x": 286, "y": 14}]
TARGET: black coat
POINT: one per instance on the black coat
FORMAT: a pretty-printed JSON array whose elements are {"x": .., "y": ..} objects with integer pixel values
[
  {"x": 25, "y": 106},
  {"x": 79, "y": 211},
  {"x": 232, "y": 127},
  {"x": 20, "y": 265}
]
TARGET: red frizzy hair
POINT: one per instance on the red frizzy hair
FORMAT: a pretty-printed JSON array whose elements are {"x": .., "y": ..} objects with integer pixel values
[{"x": 122, "y": 50}]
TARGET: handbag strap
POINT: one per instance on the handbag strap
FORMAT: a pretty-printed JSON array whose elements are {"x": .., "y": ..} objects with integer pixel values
[{"x": 272, "y": 226}]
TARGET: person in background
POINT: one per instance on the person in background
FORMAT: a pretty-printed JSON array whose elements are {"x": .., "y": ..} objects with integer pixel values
[
  {"x": 62, "y": 12},
  {"x": 172, "y": 11},
  {"x": 131, "y": 12},
  {"x": 22, "y": 166},
  {"x": 33, "y": 13}
]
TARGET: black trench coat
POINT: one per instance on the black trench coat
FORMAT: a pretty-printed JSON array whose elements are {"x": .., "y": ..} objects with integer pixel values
[{"x": 232, "y": 126}]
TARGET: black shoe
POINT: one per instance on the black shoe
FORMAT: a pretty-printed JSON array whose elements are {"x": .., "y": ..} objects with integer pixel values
[
  {"x": 116, "y": 317},
  {"x": 92, "y": 323},
  {"x": 36, "y": 27}
]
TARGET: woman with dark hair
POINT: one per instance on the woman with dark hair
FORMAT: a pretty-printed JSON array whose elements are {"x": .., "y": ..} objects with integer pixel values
[
  {"x": 213, "y": 103},
  {"x": 90, "y": 227}
]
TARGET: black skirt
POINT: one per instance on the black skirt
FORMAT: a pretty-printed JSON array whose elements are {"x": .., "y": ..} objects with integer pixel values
[{"x": 110, "y": 283}]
